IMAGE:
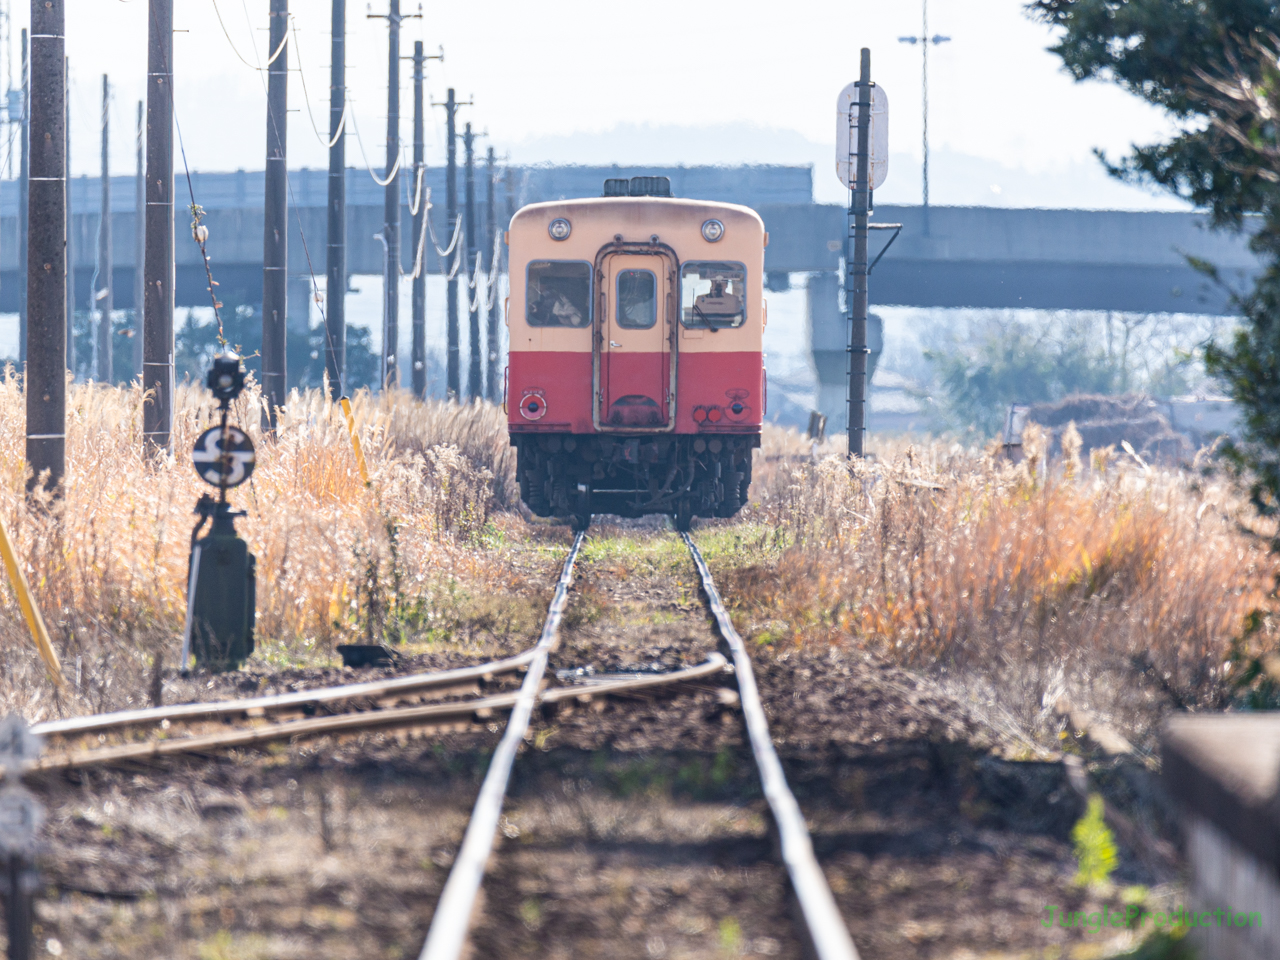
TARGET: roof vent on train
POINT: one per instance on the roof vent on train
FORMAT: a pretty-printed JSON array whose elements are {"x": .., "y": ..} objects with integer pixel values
[{"x": 638, "y": 187}]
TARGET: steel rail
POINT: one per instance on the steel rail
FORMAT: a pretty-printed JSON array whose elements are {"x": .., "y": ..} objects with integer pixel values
[
  {"x": 261, "y": 706},
  {"x": 452, "y": 919},
  {"x": 469, "y": 711},
  {"x": 831, "y": 939}
]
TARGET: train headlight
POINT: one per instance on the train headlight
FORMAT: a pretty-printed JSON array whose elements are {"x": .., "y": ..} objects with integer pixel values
[
  {"x": 559, "y": 229},
  {"x": 712, "y": 231}
]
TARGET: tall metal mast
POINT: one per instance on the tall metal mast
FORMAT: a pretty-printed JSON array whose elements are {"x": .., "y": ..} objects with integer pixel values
[
  {"x": 24, "y": 177},
  {"x": 157, "y": 323},
  {"x": 275, "y": 226},
  {"x": 71, "y": 253},
  {"x": 925, "y": 42},
  {"x": 491, "y": 266},
  {"x": 391, "y": 203},
  {"x": 474, "y": 387},
  {"x": 104, "y": 297},
  {"x": 335, "y": 341},
  {"x": 453, "y": 360},
  {"x": 418, "y": 192},
  {"x": 856, "y": 267},
  {"x": 139, "y": 241},
  {"x": 45, "y": 383}
]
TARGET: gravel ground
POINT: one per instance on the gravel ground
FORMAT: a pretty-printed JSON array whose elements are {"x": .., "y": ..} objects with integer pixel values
[{"x": 634, "y": 828}]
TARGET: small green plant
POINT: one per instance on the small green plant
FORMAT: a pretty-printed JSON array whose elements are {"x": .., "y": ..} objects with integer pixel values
[
  {"x": 1255, "y": 678},
  {"x": 223, "y": 945},
  {"x": 1095, "y": 847},
  {"x": 531, "y": 913},
  {"x": 730, "y": 936}
]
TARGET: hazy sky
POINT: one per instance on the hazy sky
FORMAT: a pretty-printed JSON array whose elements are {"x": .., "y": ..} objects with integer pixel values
[{"x": 551, "y": 70}]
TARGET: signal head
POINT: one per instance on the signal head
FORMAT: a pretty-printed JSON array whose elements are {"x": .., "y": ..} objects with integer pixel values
[{"x": 226, "y": 377}]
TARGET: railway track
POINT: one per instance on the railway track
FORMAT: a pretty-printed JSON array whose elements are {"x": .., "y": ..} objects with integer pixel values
[
  {"x": 829, "y": 937},
  {"x": 376, "y": 706}
]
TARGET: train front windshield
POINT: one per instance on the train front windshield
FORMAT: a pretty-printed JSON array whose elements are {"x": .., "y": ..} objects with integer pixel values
[
  {"x": 713, "y": 294},
  {"x": 558, "y": 293}
]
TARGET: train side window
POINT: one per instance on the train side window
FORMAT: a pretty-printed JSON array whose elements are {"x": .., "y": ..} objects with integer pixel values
[
  {"x": 637, "y": 299},
  {"x": 558, "y": 293},
  {"x": 713, "y": 294}
]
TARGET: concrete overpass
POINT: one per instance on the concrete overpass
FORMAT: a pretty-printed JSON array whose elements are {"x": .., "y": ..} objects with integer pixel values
[
  {"x": 233, "y": 202},
  {"x": 973, "y": 257},
  {"x": 982, "y": 257},
  {"x": 987, "y": 257}
]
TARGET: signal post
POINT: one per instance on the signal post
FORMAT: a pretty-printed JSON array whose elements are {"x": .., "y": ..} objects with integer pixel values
[{"x": 862, "y": 163}]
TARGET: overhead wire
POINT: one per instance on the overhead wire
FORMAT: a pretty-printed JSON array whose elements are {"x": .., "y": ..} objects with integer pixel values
[
  {"x": 420, "y": 246},
  {"x": 490, "y": 284},
  {"x": 293, "y": 202},
  {"x": 355, "y": 125},
  {"x": 199, "y": 232},
  {"x": 415, "y": 203},
  {"x": 251, "y": 66},
  {"x": 306, "y": 97},
  {"x": 455, "y": 243},
  {"x": 458, "y": 232}
]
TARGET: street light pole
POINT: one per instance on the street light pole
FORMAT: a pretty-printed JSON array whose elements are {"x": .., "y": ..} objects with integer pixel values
[{"x": 925, "y": 41}]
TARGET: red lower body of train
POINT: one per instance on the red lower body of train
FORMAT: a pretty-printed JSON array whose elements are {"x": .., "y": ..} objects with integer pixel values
[{"x": 640, "y": 454}]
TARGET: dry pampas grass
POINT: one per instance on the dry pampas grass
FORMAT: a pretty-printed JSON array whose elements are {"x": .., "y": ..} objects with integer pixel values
[
  {"x": 108, "y": 561},
  {"x": 1120, "y": 586}
]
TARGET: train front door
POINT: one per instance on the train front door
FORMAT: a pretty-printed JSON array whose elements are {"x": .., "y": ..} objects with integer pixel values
[{"x": 635, "y": 341}]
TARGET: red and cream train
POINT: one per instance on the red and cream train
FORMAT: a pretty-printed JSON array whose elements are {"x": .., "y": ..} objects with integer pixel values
[{"x": 635, "y": 382}]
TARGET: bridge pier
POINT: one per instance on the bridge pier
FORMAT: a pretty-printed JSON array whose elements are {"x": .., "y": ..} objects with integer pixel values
[
  {"x": 828, "y": 331},
  {"x": 299, "y": 297}
]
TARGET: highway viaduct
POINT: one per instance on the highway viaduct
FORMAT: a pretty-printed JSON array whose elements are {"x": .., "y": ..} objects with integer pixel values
[{"x": 982, "y": 257}]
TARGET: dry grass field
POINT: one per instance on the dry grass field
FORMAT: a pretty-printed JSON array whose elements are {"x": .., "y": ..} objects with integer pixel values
[
  {"x": 915, "y": 619},
  {"x": 1123, "y": 587},
  {"x": 335, "y": 560},
  {"x": 1119, "y": 585}
]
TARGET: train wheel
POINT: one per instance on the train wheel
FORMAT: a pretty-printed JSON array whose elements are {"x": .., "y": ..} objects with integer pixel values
[{"x": 683, "y": 518}]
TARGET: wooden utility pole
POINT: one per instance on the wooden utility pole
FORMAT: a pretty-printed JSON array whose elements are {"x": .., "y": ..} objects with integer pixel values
[
  {"x": 275, "y": 224},
  {"x": 453, "y": 360},
  {"x": 103, "y": 296},
  {"x": 335, "y": 321},
  {"x": 71, "y": 253},
  {"x": 474, "y": 387},
  {"x": 46, "y": 371},
  {"x": 419, "y": 355},
  {"x": 24, "y": 177},
  {"x": 157, "y": 323},
  {"x": 856, "y": 267},
  {"x": 139, "y": 244},
  {"x": 491, "y": 265},
  {"x": 391, "y": 207}
]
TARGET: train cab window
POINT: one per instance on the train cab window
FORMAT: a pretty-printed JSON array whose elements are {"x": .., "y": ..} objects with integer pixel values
[
  {"x": 558, "y": 294},
  {"x": 637, "y": 299},
  {"x": 713, "y": 294}
]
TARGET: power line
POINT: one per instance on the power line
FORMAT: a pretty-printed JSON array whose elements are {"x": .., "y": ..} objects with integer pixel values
[{"x": 270, "y": 61}]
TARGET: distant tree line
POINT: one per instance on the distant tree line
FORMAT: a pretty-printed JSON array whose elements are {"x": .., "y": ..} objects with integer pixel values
[
  {"x": 991, "y": 359},
  {"x": 1212, "y": 65}
]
